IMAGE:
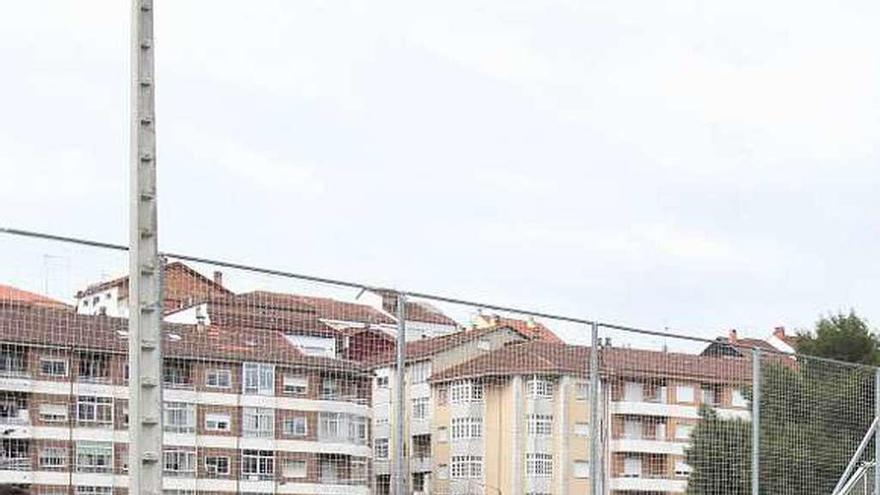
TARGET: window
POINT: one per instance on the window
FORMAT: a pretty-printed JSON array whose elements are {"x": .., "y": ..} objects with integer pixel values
[
  {"x": 466, "y": 391},
  {"x": 419, "y": 372},
  {"x": 180, "y": 463},
  {"x": 94, "y": 457},
  {"x": 463, "y": 428},
  {"x": 382, "y": 381},
  {"x": 420, "y": 408},
  {"x": 217, "y": 422},
  {"x": 711, "y": 395},
  {"x": 738, "y": 399},
  {"x": 218, "y": 378},
  {"x": 294, "y": 469},
  {"x": 380, "y": 446},
  {"x": 53, "y": 413},
  {"x": 53, "y": 366},
  {"x": 258, "y": 379},
  {"x": 357, "y": 430},
  {"x": 582, "y": 391},
  {"x": 258, "y": 464},
  {"x": 217, "y": 465},
  {"x": 94, "y": 411},
  {"x": 683, "y": 432},
  {"x": 15, "y": 455},
  {"x": 342, "y": 427},
  {"x": 581, "y": 469},
  {"x": 296, "y": 427},
  {"x": 258, "y": 422},
  {"x": 13, "y": 361},
  {"x": 295, "y": 384},
  {"x": 538, "y": 388},
  {"x": 682, "y": 468},
  {"x": 632, "y": 467},
  {"x": 13, "y": 408},
  {"x": 177, "y": 374},
  {"x": 684, "y": 393},
  {"x": 540, "y": 424},
  {"x": 329, "y": 425},
  {"x": 539, "y": 465},
  {"x": 94, "y": 490},
  {"x": 633, "y": 391},
  {"x": 442, "y": 434},
  {"x": 53, "y": 458},
  {"x": 467, "y": 466},
  {"x": 180, "y": 417},
  {"x": 582, "y": 429},
  {"x": 94, "y": 367},
  {"x": 329, "y": 388}
]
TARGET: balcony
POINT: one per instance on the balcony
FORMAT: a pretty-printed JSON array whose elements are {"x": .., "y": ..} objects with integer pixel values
[
  {"x": 16, "y": 418},
  {"x": 647, "y": 483},
  {"x": 15, "y": 463}
]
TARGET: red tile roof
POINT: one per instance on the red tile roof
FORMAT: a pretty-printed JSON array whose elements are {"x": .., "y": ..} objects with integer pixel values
[
  {"x": 421, "y": 349},
  {"x": 331, "y": 309},
  {"x": 25, "y": 324},
  {"x": 548, "y": 358},
  {"x": 530, "y": 329},
  {"x": 420, "y": 311},
  {"x": 198, "y": 280},
  {"x": 9, "y": 293}
]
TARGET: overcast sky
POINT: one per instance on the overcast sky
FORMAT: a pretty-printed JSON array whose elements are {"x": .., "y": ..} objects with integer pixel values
[{"x": 692, "y": 165}]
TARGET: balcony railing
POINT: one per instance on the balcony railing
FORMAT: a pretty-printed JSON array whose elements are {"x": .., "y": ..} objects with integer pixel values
[
  {"x": 421, "y": 463},
  {"x": 21, "y": 419},
  {"x": 15, "y": 464},
  {"x": 332, "y": 480},
  {"x": 15, "y": 373}
]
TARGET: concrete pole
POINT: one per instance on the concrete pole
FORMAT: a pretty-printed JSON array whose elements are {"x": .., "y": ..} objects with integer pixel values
[
  {"x": 145, "y": 269},
  {"x": 595, "y": 432},
  {"x": 756, "y": 421},
  {"x": 400, "y": 470}
]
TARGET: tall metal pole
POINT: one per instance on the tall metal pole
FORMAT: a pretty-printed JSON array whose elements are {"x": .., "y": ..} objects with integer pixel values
[
  {"x": 145, "y": 269},
  {"x": 400, "y": 417},
  {"x": 877, "y": 433},
  {"x": 595, "y": 451},
  {"x": 756, "y": 420}
]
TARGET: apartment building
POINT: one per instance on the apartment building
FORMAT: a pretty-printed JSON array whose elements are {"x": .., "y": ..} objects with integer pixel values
[
  {"x": 424, "y": 359},
  {"x": 182, "y": 286},
  {"x": 245, "y": 411},
  {"x": 517, "y": 420}
]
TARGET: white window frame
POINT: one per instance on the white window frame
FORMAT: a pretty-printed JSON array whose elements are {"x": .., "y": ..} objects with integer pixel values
[
  {"x": 294, "y": 384},
  {"x": 296, "y": 426},
  {"x": 258, "y": 422},
  {"x": 93, "y": 451},
  {"x": 93, "y": 410},
  {"x": 466, "y": 428},
  {"x": 53, "y": 453},
  {"x": 421, "y": 407},
  {"x": 301, "y": 470},
  {"x": 419, "y": 372},
  {"x": 185, "y": 411},
  {"x": 466, "y": 467},
  {"x": 540, "y": 388},
  {"x": 258, "y": 464},
  {"x": 213, "y": 378},
  {"x": 258, "y": 379},
  {"x": 540, "y": 425},
  {"x": 212, "y": 468},
  {"x": 53, "y": 413},
  {"x": 539, "y": 465},
  {"x": 215, "y": 421},
  {"x": 465, "y": 391},
  {"x": 381, "y": 448},
  {"x": 179, "y": 462},
  {"x": 44, "y": 360}
]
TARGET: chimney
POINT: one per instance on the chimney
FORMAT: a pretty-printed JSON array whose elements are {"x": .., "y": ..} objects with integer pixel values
[
  {"x": 607, "y": 341},
  {"x": 779, "y": 333},
  {"x": 218, "y": 277},
  {"x": 732, "y": 335}
]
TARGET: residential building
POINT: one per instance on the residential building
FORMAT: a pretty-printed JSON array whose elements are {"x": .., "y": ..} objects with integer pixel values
[
  {"x": 425, "y": 358},
  {"x": 10, "y": 293},
  {"x": 245, "y": 410},
  {"x": 182, "y": 286},
  {"x": 516, "y": 420}
]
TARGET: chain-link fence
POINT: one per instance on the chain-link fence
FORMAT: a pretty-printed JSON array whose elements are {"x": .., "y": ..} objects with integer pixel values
[{"x": 274, "y": 382}]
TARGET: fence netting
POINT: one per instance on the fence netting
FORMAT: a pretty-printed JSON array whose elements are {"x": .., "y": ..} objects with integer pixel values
[{"x": 279, "y": 384}]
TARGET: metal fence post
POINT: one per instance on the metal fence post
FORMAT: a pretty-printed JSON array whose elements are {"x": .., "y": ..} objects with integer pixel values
[
  {"x": 877, "y": 433},
  {"x": 400, "y": 418},
  {"x": 756, "y": 420},
  {"x": 595, "y": 464},
  {"x": 145, "y": 267}
]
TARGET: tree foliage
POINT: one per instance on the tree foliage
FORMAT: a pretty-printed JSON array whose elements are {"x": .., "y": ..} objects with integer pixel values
[
  {"x": 845, "y": 337},
  {"x": 813, "y": 415}
]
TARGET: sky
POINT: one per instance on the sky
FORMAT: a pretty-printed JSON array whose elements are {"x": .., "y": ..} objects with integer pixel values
[{"x": 691, "y": 166}]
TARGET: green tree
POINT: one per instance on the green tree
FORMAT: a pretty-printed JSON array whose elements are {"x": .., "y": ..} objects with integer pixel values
[
  {"x": 813, "y": 415},
  {"x": 845, "y": 337}
]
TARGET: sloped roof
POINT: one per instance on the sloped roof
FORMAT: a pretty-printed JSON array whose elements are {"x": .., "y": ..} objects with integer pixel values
[
  {"x": 25, "y": 324},
  {"x": 530, "y": 329},
  {"x": 421, "y": 349},
  {"x": 549, "y": 358},
  {"x": 10, "y": 293},
  {"x": 122, "y": 282}
]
